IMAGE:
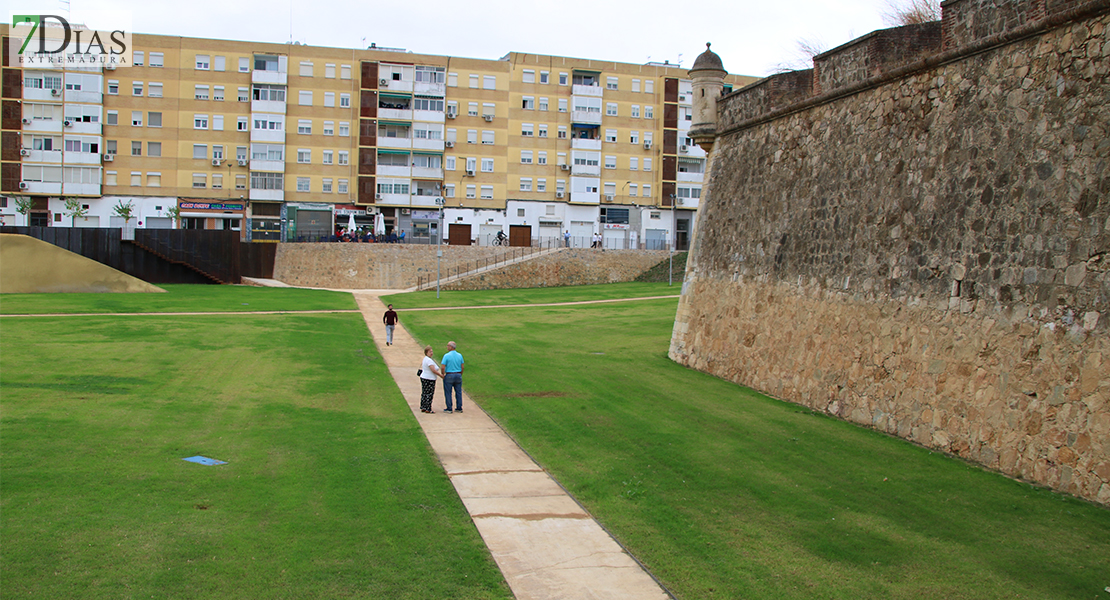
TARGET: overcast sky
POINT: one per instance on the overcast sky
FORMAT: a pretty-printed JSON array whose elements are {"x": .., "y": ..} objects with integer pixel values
[{"x": 752, "y": 38}]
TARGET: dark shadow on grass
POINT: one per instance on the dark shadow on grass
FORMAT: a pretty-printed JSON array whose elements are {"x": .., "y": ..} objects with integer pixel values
[{"x": 89, "y": 384}]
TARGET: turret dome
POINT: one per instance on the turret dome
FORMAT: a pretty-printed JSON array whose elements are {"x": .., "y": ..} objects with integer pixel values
[{"x": 708, "y": 61}]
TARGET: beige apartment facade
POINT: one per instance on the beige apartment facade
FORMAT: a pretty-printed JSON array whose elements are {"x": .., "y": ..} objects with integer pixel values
[{"x": 288, "y": 142}]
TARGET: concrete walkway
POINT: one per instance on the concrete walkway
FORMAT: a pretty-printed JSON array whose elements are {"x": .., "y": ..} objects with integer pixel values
[{"x": 545, "y": 544}]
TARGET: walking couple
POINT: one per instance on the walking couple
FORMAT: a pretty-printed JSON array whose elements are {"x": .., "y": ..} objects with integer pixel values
[{"x": 451, "y": 371}]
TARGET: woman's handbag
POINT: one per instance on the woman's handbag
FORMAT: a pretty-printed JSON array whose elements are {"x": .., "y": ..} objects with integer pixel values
[{"x": 419, "y": 372}]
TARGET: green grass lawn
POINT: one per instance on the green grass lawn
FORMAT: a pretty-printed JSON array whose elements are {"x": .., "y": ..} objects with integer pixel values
[
  {"x": 180, "y": 298},
  {"x": 725, "y": 493},
  {"x": 330, "y": 491},
  {"x": 607, "y": 291}
]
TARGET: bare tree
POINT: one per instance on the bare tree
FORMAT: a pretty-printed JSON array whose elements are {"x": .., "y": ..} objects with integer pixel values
[
  {"x": 911, "y": 12},
  {"x": 805, "y": 50}
]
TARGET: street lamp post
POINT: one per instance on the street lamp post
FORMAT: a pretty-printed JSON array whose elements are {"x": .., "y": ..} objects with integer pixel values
[{"x": 439, "y": 241}]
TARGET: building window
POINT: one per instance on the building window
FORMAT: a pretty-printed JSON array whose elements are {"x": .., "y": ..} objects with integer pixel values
[
  {"x": 202, "y": 64},
  {"x": 526, "y": 129},
  {"x": 610, "y": 162},
  {"x": 562, "y": 78},
  {"x": 635, "y": 111},
  {"x": 200, "y": 181},
  {"x": 113, "y": 117},
  {"x": 344, "y": 100},
  {"x": 633, "y": 164},
  {"x": 219, "y": 63},
  {"x": 543, "y": 104},
  {"x": 489, "y": 82},
  {"x": 136, "y": 118},
  {"x": 647, "y": 164},
  {"x": 156, "y": 90},
  {"x": 341, "y": 185},
  {"x": 487, "y": 192},
  {"x": 525, "y": 184},
  {"x": 327, "y": 157},
  {"x": 488, "y": 137},
  {"x": 306, "y": 69},
  {"x": 541, "y": 158},
  {"x": 611, "y": 109},
  {"x": 242, "y": 124},
  {"x": 267, "y": 181},
  {"x": 217, "y": 93},
  {"x": 449, "y": 190},
  {"x": 303, "y": 184},
  {"x": 649, "y": 88},
  {"x": 647, "y": 190},
  {"x": 304, "y": 156},
  {"x": 304, "y": 98},
  {"x": 304, "y": 127},
  {"x": 562, "y": 105},
  {"x": 632, "y": 187},
  {"x": 344, "y": 73},
  {"x": 113, "y": 87},
  {"x": 562, "y": 132},
  {"x": 611, "y": 83},
  {"x": 634, "y": 137},
  {"x": 136, "y": 148},
  {"x": 449, "y": 163},
  {"x": 329, "y": 127},
  {"x": 525, "y": 157},
  {"x": 344, "y": 157},
  {"x": 542, "y": 130},
  {"x": 200, "y": 92},
  {"x": 528, "y": 76},
  {"x": 475, "y": 82},
  {"x": 329, "y": 71},
  {"x": 136, "y": 179},
  {"x": 136, "y": 88},
  {"x": 200, "y": 121},
  {"x": 544, "y": 77},
  {"x": 528, "y": 103},
  {"x": 157, "y": 59},
  {"x": 325, "y": 186},
  {"x": 611, "y": 135},
  {"x": 200, "y": 151},
  {"x": 217, "y": 122},
  {"x": 344, "y": 128},
  {"x": 137, "y": 58},
  {"x": 649, "y": 112},
  {"x": 471, "y": 191},
  {"x": 244, "y": 64},
  {"x": 541, "y": 186},
  {"x": 217, "y": 180},
  {"x": 153, "y": 119},
  {"x": 487, "y": 165},
  {"x": 635, "y": 85}
]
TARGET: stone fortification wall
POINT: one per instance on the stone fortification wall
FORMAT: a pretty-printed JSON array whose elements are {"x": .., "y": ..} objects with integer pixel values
[
  {"x": 568, "y": 267},
  {"x": 370, "y": 266},
  {"x": 927, "y": 255}
]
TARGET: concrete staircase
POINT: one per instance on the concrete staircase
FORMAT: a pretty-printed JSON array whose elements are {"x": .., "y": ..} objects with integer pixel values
[{"x": 482, "y": 267}]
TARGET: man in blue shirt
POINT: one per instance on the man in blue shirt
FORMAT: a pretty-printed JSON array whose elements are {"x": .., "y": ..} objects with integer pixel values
[{"x": 453, "y": 366}]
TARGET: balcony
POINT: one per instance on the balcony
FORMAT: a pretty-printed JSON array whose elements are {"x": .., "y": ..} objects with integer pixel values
[
  {"x": 427, "y": 173},
  {"x": 426, "y": 201},
  {"x": 585, "y": 144},
  {"x": 585, "y": 198},
  {"x": 82, "y": 189},
  {"x": 425, "y": 144},
  {"x": 81, "y": 158},
  {"x": 42, "y": 94},
  {"x": 585, "y": 116},
  {"x": 270, "y": 166},
  {"x": 587, "y": 90},
  {"x": 594, "y": 170},
  {"x": 83, "y": 128},
  {"x": 394, "y": 85},
  {"x": 394, "y": 171},
  {"x": 687, "y": 203},
  {"x": 392, "y": 199},
  {"x": 429, "y": 89},
  {"x": 43, "y": 126},
  {"x": 271, "y": 136},
  {"x": 42, "y": 187},
  {"x": 271, "y": 195},
  {"x": 394, "y": 142},
  {"x": 690, "y": 177},
  {"x": 268, "y": 106},
  {"x": 429, "y": 116},
  {"x": 84, "y": 97},
  {"x": 269, "y": 77},
  {"x": 395, "y": 114},
  {"x": 53, "y": 157}
]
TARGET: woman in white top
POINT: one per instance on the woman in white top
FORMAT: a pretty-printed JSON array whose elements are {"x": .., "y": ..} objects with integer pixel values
[{"x": 429, "y": 370}]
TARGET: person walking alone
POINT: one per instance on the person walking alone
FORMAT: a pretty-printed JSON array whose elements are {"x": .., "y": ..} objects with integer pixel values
[
  {"x": 390, "y": 319},
  {"x": 429, "y": 370},
  {"x": 453, "y": 366}
]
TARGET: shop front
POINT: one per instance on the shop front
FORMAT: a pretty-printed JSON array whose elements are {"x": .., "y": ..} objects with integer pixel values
[{"x": 203, "y": 214}]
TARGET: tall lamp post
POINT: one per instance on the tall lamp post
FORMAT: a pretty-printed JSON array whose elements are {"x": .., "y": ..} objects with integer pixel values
[
  {"x": 439, "y": 241},
  {"x": 674, "y": 240}
]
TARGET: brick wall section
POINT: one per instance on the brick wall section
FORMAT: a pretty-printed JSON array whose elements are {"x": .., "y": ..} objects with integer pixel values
[
  {"x": 370, "y": 266},
  {"x": 968, "y": 20},
  {"x": 569, "y": 267},
  {"x": 929, "y": 257}
]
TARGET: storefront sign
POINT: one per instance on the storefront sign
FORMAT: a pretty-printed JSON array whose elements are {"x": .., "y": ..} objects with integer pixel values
[
  {"x": 425, "y": 215},
  {"x": 616, "y": 226},
  {"x": 209, "y": 206}
]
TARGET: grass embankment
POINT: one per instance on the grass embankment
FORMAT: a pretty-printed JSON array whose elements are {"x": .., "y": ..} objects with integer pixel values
[
  {"x": 671, "y": 269},
  {"x": 330, "y": 490},
  {"x": 180, "y": 298},
  {"x": 725, "y": 493},
  {"x": 581, "y": 293}
]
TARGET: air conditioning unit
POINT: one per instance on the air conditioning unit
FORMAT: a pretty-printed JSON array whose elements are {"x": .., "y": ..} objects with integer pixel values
[
  {"x": 608, "y": 197},
  {"x": 377, "y": 196},
  {"x": 647, "y": 145},
  {"x": 24, "y": 185},
  {"x": 216, "y": 162},
  {"x": 684, "y": 148},
  {"x": 383, "y": 81},
  {"x": 559, "y": 194},
  {"x": 449, "y": 144},
  {"x": 55, "y": 92},
  {"x": 451, "y": 115},
  {"x": 564, "y": 167},
  {"x": 470, "y": 172},
  {"x": 67, "y": 123},
  {"x": 109, "y": 157},
  {"x": 24, "y": 152},
  {"x": 488, "y": 118},
  {"x": 110, "y": 66},
  {"x": 242, "y": 162},
  {"x": 26, "y": 121}
]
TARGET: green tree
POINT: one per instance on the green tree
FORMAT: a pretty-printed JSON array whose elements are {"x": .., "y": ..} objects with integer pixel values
[
  {"x": 75, "y": 210},
  {"x": 174, "y": 212},
  {"x": 124, "y": 210},
  {"x": 23, "y": 206}
]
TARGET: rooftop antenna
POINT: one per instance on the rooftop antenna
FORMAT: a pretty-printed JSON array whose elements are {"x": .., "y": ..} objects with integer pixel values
[{"x": 290, "y": 21}]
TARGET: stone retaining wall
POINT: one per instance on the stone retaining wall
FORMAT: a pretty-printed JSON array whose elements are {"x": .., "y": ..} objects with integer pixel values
[
  {"x": 371, "y": 266},
  {"x": 568, "y": 267},
  {"x": 929, "y": 256}
]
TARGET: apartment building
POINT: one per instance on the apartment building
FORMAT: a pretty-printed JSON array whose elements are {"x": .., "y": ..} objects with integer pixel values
[{"x": 289, "y": 141}]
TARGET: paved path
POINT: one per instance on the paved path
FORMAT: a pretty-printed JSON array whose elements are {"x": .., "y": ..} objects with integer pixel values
[{"x": 545, "y": 544}]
